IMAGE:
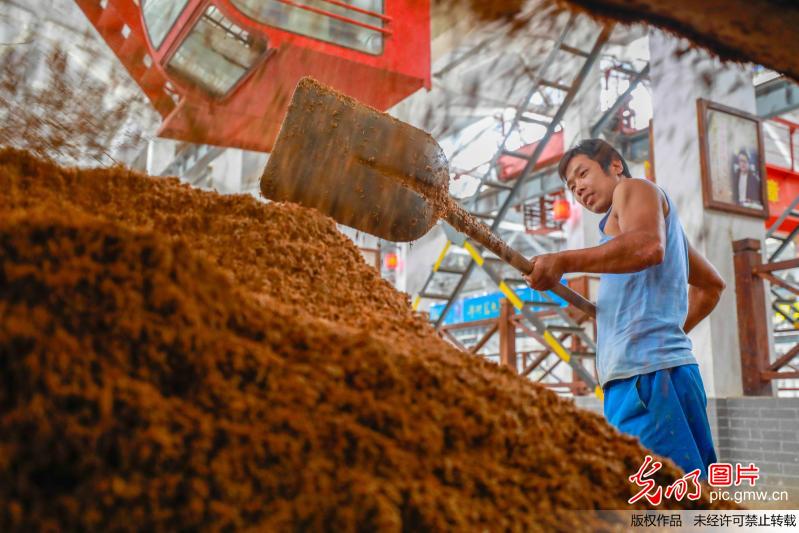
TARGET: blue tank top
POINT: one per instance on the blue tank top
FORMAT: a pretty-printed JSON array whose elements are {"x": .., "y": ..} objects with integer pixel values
[{"x": 640, "y": 315}]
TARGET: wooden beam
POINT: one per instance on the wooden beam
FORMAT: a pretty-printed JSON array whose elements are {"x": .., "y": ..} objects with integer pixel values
[
  {"x": 472, "y": 324},
  {"x": 752, "y": 324},
  {"x": 550, "y": 369},
  {"x": 451, "y": 338},
  {"x": 538, "y": 360},
  {"x": 784, "y": 359},
  {"x": 773, "y": 267},
  {"x": 484, "y": 339},
  {"x": 507, "y": 335},
  {"x": 563, "y": 384},
  {"x": 779, "y": 282},
  {"x": 780, "y": 375}
]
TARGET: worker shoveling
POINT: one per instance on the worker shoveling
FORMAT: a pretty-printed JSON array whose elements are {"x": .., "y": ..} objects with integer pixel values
[{"x": 372, "y": 172}]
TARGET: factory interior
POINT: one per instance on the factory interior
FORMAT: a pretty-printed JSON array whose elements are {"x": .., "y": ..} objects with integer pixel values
[{"x": 269, "y": 265}]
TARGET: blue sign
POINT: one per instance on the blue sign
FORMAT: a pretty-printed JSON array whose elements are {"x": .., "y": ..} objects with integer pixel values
[{"x": 487, "y": 306}]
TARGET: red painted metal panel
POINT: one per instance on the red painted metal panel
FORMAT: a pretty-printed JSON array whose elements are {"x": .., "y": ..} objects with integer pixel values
[
  {"x": 510, "y": 167},
  {"x": 249, "y": 115},
  {"x": 783, "y": 188},
  {"x": 132, "y": 50}
]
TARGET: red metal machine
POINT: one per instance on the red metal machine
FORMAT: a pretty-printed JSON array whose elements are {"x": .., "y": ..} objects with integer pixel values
[
  {"x": 783, "y": 187},
  {"x": 510, "y": 167},
  {"x": 222, "y": 72},
  {"x": 783, "y": 183}
]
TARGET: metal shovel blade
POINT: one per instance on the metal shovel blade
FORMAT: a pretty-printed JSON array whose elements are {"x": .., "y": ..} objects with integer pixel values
[{"x": 350, "y": 161}]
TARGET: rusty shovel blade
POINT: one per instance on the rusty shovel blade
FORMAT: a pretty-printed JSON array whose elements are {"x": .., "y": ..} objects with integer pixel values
[{"x": 350, "y": 162}]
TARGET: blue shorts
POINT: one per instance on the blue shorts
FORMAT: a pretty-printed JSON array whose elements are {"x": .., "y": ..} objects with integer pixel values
[{"x": 667, "y": 411}]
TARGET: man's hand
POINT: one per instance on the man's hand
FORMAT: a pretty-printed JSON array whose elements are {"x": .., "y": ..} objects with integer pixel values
[{"x": 547, "y": 271}]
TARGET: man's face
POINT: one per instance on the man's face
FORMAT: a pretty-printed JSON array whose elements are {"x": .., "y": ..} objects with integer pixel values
[
  {"x": 592, "y": 187},
  {"x": 743, "y": 163}
]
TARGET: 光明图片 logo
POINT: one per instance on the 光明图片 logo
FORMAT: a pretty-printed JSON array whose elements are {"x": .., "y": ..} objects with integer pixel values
[{"x": 719, "y": 475}]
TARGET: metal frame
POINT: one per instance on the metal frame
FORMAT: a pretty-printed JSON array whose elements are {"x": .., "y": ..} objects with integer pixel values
[
  {"x": 771, "y": 232},
  {"x": 637, "y": 77}
]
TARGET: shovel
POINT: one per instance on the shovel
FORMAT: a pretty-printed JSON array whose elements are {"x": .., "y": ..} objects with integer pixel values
[{"x": 370, "y": 171}]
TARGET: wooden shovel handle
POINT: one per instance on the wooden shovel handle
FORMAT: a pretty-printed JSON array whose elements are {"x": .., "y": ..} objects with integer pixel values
[{"x": 465, "y": 222}]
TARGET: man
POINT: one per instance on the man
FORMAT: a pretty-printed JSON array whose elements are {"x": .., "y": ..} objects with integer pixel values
[
  {"x": 654, "y": 288},
  {"x": 746, "y": 187}
]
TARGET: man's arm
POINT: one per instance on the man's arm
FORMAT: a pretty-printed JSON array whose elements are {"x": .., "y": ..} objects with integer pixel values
[
  {"x": 639, "y": 245},
  {"x": 704, "y": 288}
]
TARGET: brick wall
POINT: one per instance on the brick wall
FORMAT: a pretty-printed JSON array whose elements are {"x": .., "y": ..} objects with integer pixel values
[{"x": 763, "y": 431}]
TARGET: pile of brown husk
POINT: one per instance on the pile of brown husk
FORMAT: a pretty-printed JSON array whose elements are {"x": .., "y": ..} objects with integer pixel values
[
  {"x": 757, "y": 31},
  {"x": 172, "y": 359}
]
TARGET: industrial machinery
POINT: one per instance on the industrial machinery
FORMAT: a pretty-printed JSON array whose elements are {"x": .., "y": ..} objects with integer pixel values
[{"x": 221, "y": 72}]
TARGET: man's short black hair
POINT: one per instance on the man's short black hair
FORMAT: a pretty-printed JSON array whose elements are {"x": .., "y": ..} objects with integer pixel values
[{"x": 596, "y": 150}]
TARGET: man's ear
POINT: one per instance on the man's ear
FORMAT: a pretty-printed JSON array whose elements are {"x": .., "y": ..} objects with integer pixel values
[{"x": 616, "y": 168}]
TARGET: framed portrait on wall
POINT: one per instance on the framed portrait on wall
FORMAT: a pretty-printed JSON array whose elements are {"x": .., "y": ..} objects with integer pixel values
[{"x": 732, "y": 160}]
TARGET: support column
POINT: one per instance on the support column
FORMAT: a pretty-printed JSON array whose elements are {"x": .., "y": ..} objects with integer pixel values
[
  {"x": 753, "y": 330},
  {"x": 678, "y": 79},
  {"x": 507, "y": 336}
]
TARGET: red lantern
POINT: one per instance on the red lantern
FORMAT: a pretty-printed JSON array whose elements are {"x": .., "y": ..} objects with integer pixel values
[
  {"x": 561, "y": 210},
  {"x": 390, "y": 261}
]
